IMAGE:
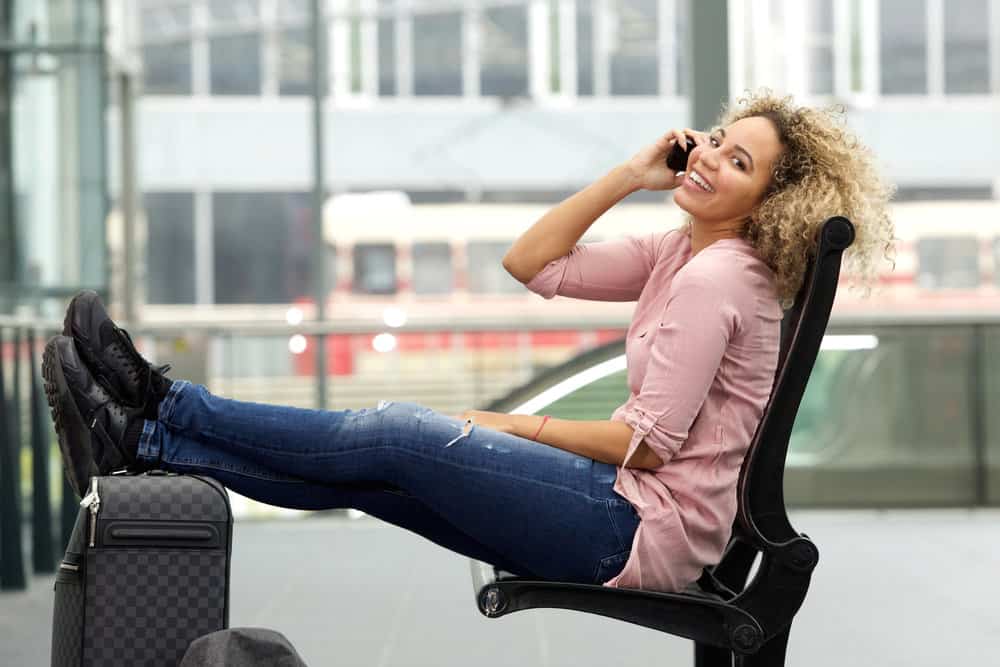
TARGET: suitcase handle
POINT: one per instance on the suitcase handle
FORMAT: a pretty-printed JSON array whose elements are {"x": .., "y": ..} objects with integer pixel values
[{"x": 132, "y": 533}]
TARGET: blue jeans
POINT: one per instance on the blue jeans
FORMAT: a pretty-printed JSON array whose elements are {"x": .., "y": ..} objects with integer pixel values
[{"x": 526, "y": 507}]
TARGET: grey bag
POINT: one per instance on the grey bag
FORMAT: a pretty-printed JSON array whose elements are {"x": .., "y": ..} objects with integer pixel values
[
  {"x": 242, "y": 647},
  {"x": 145, "y": 573}
]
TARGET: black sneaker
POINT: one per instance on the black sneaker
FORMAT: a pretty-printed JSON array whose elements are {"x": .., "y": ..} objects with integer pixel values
[
  {"x": 97, "y": 435},
  {"x": 74, "y": 436},
  {"x": 111, "y": 356}
]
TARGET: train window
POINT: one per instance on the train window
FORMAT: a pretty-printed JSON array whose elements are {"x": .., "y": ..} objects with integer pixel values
[
  {"x": 486, "y": 272},
  {"x": 432, "y": 269},
  {"x": 504, "y": 61},
  {"x": 437, "y": 54},
  {"x": 170, "y": 222},
  {"x": 948, "y": 262},
  {"x": 262, "y": 246},
  {"x": 374, "y": 268}
]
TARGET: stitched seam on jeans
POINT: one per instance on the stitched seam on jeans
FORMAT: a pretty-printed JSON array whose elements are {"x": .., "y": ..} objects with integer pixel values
[
  {"x": 614, "y": 524},
  {"x": 166, "y": 409},
  {"x": 214, "y": 466},
  {"x": 237, "y": 443}
]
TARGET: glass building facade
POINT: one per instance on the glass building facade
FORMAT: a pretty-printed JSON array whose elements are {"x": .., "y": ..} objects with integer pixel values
[{"x": 53, "y": 183}]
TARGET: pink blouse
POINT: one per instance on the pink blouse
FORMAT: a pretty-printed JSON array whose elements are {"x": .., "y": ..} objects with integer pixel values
[{"x": 701, "y": 353}]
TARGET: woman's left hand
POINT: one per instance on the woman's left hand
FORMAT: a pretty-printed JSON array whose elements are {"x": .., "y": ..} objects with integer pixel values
[{"x": 497, "y": 421}]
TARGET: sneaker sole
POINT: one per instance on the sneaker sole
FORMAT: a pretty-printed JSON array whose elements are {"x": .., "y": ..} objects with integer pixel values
[{"x": 74, "y": 438}]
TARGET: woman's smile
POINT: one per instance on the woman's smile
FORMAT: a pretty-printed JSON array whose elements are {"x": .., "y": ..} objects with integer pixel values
[{"x": 691, "y": 185}]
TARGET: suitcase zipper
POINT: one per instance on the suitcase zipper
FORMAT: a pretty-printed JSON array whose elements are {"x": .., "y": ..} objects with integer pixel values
[{"x": 92, "y": 501}]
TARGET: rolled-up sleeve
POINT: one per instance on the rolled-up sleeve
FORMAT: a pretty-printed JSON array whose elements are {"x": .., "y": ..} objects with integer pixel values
[
  {"x": 614, "y": 270},
  {"x": 697, "y": 323}
]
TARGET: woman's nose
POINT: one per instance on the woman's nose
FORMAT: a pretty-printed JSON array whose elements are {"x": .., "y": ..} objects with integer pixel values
[{"x": 710, "y": 157}]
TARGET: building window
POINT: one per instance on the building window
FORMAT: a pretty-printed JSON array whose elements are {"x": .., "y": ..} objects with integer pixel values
[
  {"x": 944, "y": 263},
  {"x": 967, "y": 47},
  {"x": 170, "y": 247},
  {"x": 504, "y": 58},
  {"x": 584, "y": 47},
  {"x": 680, "y": 42},
  {"x": 386, "y": 38},
  {"x": 374, "y": 268},
  {"x": 903, "y": 49},
  {"x": 262, "y": 244},
  {"x": 634, "y": 51},
  {"x": 486, "y": 272},
  {"x": 234, "y": 47},
  {"x": 235, "y": 64},
  {"x": 437, "y": 54},
  {"x": 432, "y": 268},
  {"x": 819, "y": 46},
  {"x": 166, "y": 49}
]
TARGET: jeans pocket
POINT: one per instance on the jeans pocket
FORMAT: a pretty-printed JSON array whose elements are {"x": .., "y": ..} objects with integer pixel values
[{"x": 611, "y": 566}]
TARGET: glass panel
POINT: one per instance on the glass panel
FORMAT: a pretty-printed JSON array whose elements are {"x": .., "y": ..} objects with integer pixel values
[
  {"x": 432, "y": 269},
  {"x": 947, "y": 262},
  {"x": 170, "y": 247},
  {"x": 634, "y": 63},
  {"x": 504, "y": 59},
  {"x": 235, "y": 64},
  {"x": 966, "y": 46},
  {"x": 680, "y": 47},
  {"x": 295, "y": 62},
  {"x": 166, "y": 69},
  {"x": 56, "y": 22},
  {"x": 387, "y": 56},
  {"x": 555, "y": 47},
  {"x": 59, "y": 188},
  {"x": 903, "y": 50},
  {"x": 990, "y": 382},
  {"x": 821, "y": 70},
  {"x": 437, "y": 54},
  {"x": 233, "y": 12},
  {"x": 886, "y": 423},
  {"x": 486, "y": 272},
  {"x": 374, "y": 268},
  {"x": 584, "y": 47},
  {"x": 295, "y": 11},
  {"x": 885, "y": 419},
  {"x": 263, "y": 244},
  {"x": 820, "y": 51},
  {"x": 158, "y": 22}
]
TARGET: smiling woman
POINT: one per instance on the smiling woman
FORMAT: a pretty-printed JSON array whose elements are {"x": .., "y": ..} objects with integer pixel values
[{"x": 821, "y": 170}]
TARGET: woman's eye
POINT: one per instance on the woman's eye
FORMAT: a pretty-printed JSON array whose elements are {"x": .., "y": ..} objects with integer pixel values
[{"x": 739, "y": 163}]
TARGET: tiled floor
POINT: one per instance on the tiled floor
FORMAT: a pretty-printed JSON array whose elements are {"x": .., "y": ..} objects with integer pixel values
[{"x": 909, "y": 588}]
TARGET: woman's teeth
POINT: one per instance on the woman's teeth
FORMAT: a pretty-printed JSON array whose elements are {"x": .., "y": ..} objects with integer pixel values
[{"x": 700, "y": 182}]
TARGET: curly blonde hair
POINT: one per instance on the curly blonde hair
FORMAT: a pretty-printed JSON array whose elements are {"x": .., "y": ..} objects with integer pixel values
[{"x": 822, "y": 171}]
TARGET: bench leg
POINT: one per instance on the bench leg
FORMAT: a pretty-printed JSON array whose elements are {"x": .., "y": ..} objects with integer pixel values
[
  {"x": 771, "y": 654},
  {"x": 711, "y": 656}
]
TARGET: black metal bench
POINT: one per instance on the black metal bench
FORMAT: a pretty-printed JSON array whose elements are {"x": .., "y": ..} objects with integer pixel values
[{"x": 734, "y": 618}]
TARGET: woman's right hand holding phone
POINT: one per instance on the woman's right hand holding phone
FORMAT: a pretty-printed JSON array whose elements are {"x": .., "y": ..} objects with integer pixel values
[{"x": 649, "y": 166}]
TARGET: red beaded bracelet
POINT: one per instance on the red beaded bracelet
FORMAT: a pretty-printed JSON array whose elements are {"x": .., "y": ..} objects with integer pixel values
[{"x": 535, "y": 437}]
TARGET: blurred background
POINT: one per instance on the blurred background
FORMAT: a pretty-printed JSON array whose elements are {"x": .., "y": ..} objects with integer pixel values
[{"x": 306, "y": 202}]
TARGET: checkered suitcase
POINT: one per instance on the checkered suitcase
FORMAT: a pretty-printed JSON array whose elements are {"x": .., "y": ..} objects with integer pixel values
[{"x": 146, "y": 571}]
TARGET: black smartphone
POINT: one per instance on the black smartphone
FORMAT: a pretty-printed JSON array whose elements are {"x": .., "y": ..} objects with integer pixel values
[{"x": 677, "y": 158}]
